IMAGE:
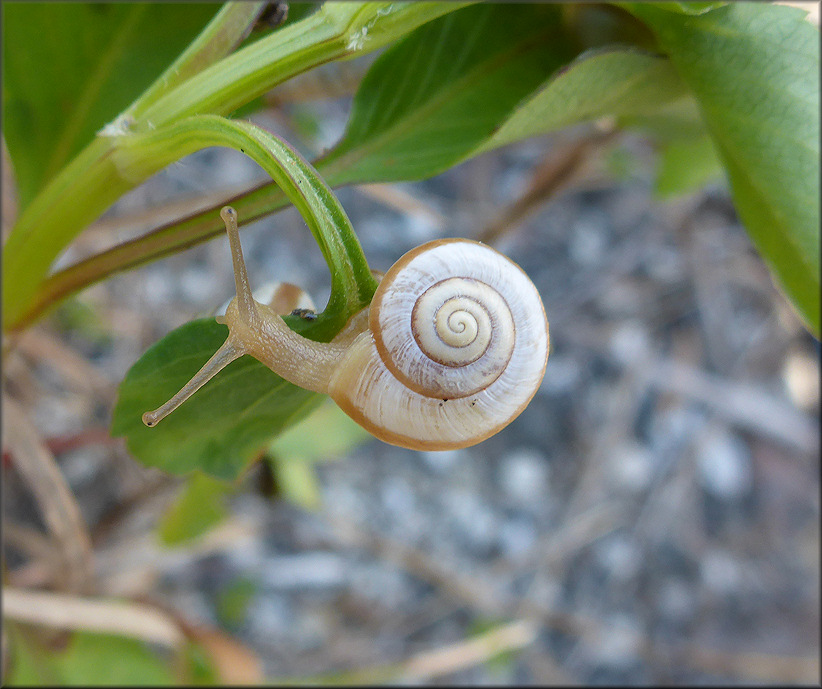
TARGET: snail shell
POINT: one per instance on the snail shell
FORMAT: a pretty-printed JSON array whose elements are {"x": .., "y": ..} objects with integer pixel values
[
  {"x": 456, "y": 348},
  {"x": 281, "y": 297}
]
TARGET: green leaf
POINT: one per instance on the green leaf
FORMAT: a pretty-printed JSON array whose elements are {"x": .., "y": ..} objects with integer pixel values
[
  {"x": 200, "y": 505},
  {"x": 679, "y": 120},
  {"x": 89, "y": 660},
  {"x": 297, "y": 482},
  {"x": 689, "y": 7},
  {"x": 199, "y": 666},
  {"x": 617, "y": 81},
  {"x": 101, "y": 660},
  {"x": 686, "y": 165},
  {"x": 754, "y": 69},
  {"x": 224, "y": 426},
  {"x": 337, "y": 30},
  {"x": 446, "y": 110},
  {"x": 327, "y": 434},
  {"x": 440, "y": 92},
  {"x": 69, "y": 68},
  {"x": 233, "y": 601}
]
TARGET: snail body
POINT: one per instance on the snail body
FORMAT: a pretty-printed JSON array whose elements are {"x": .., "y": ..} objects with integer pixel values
[{"x": 451, "y": 349}]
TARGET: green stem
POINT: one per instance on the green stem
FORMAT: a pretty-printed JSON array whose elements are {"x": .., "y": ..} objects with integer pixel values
[
  {"x": 224, "y": 32},
  {"x": 164, "y": 241},
  {"x": 352, "y": 284},
  {"x": 72, "y": 200},
  {"x": 335, "y": 31}
]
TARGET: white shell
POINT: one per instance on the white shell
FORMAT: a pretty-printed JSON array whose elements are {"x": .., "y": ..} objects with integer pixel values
[
  {"x": 277, "y": 293},
  {"x": 456, "y": 349}
]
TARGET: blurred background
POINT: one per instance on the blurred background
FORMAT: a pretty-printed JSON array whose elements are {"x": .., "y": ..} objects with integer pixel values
[{"x": 651, "y": 517}]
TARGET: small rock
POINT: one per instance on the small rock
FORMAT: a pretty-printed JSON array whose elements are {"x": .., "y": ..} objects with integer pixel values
[
  {"x": 524, "y": 474},
  {"x": 673, "y": 427},
  {"x": 588, "y": 239},
  {"x": 629, "y": 343},
  {"x": 676, "y": 600},
  {"x": 620, "y": 300},
  {"x": 397, "y": 497},
  {"x": 377, "y": 581},
  {"x": 620, "y": 642},
  {"x": 158, "y": 289},
  {"x": 665, "y": 264},
  {"x": 720, "y": 571},
  {"x": 420, "y": 227},
  {"x": 517, "y": 537},
  {"x": 620, "y": 556},
  {"x": 442, "y": 461},
  {"x": 473, "y": 518},
  {"x": 724, "y": 466},
  {"x": 632, "y": 467},
  {"x": 269, "y": 616},
  {"x": 304, "y": 571},
  {"x": 197, "y": 285}
]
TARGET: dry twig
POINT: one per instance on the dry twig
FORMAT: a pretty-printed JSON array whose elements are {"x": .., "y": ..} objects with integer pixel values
[
  {"x": 41, "y": 346},
  {"x": 460, "y": 656},
  {"x": 61, "y": 611},
  {"x": 394, "y": 197},
  {"x": 562, "y": 168},
  {"x": 57, "y": 503}
]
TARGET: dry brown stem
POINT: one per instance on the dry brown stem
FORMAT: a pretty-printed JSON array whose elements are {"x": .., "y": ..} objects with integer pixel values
[
  {"x": 61, "y": 611},
  {"x": 393, "y": 197},
  {"x": 39, "y": 345},
  {"x": 54, "y": 497},
  {"x": 563, "y": 166}
]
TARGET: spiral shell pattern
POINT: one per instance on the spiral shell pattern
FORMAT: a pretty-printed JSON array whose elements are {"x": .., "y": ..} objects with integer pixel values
[{"x": 457, "y": 347}]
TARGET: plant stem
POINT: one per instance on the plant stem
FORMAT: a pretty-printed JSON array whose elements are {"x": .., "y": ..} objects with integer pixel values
[
  {"x": 352, "y": 284},
  {"x": 73, "y": 199},
  {"x": 335, "y": 31},
  {"x": 224, "y": 32}
]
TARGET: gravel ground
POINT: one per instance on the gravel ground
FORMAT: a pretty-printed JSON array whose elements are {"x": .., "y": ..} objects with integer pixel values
[{"x": 651, "y": 518}]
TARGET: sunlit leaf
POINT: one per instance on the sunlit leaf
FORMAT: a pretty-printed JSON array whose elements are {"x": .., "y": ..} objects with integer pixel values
[
  {"x": 89, "y": 660},
  {"x": 686, "y": 165},
  {"x": 754, "y": 69},
  {"x": 200, "y": 506},
  {"x": 618, "y": 81},
  {"x": 443, "y": 90}
]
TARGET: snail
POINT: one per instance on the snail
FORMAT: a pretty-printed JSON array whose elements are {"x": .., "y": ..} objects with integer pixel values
[{"x": 451, "y": 349}]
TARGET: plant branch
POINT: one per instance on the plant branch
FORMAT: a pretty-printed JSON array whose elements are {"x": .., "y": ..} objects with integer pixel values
[
  {"x": 335, "y": 31},
  {"x": 352, "y": 284},
  {"x": 61, "y": 611},
  {"x": 59, "y": 508},
  {"x": 229, "y": 27}
]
